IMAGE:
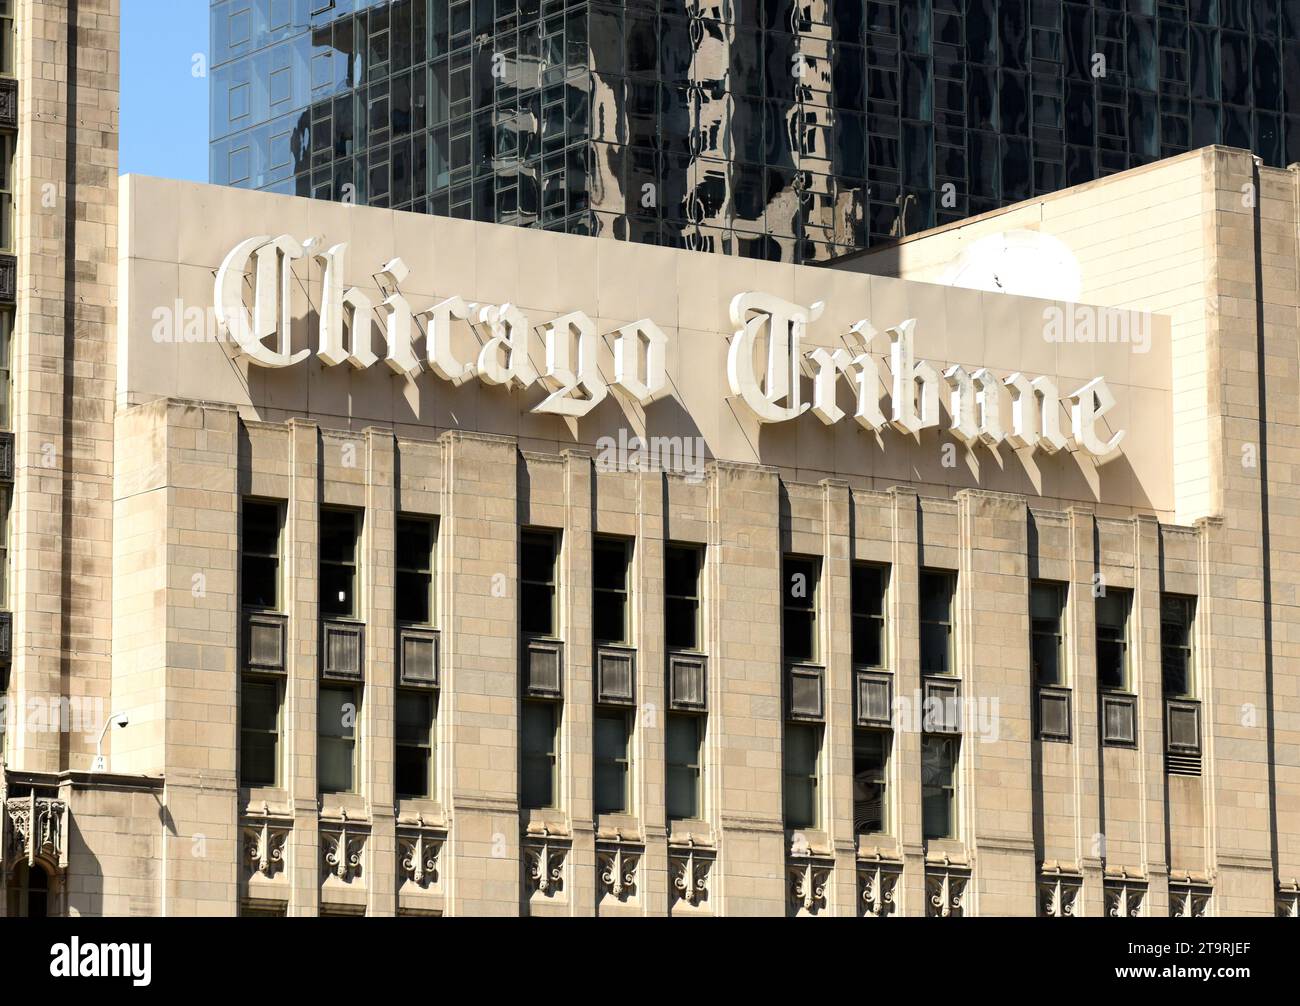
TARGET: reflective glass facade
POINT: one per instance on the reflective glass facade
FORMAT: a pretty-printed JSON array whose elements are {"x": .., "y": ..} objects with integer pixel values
[{"x": 771, "y": 128}]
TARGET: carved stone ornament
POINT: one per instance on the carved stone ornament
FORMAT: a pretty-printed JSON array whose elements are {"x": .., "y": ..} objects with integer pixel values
[
  {"x": 1187, "y": 901},
  {"x": 38, "y": 828},
  {"x": 342, "y": 846},
  {"x": 1288, "y": 900},
  {"x": 691, "y": 869},
  {"x": 419, "y": 849},
  {"x": 1058, "y": 895},
  {"x": 617, "y": 867},
  {"x": 1124, "y": 898},
  {"x": 878, "y": 889},
  {"x": 945, "y": 893},
  {"x": 544, "y": 861},
  {"x": 266, "y": 836},
  {"x": 807, "y": 881}
]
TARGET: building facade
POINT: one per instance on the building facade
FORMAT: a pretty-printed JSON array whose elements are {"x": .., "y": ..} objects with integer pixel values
[
  {"x": 467, "y": 569},
  {"x": 783, "y": 130}
]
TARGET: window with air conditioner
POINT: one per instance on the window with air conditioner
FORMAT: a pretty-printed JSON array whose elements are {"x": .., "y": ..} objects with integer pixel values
[
  {"x": 262, "y": 663},
  {"x": 1118, "y": 706}
]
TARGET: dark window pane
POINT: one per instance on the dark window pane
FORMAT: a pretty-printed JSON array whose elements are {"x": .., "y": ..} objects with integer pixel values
[
  {"x": 611, "y": 762},
  {"x": 683, "y": 749},
  {"x": 802, "y": 749},
  {"x": 337, "y": 591},
  {"x": 681, "y": 619},
  {"x": 336, "y": 739},
  {"x": 537, "y": 743},
  {"x": 261, "y": 528},
  {"x": 413, "y": 597},
  {"x": 414, "y": 717},
  {"x": 681, "y": 571},
  {"x": 870, "y": 761},
  {"x": 537, "y": 573},
  {"x": 259, "y": 716},
  {"x": 798, "y": 637},
  {"x": 259, "y": 581},
  {"x": 537, "y": 615},
  {"x": 938, "y": 762}
]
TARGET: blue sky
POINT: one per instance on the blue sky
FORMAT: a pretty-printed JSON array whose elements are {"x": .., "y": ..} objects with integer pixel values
[{"x": 164, "y": 105}]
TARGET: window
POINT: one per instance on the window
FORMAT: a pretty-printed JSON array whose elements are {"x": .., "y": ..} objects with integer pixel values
[
  {"x": 937, "y": 590},
  {"x": 610, "y": 560},
  {"x": 416, "y": 712},
  {"x": 415, "y": 602},
  {"x": 281, "y": 85},
  {"x": 870, "y": 769},
  {"x": 336, "y": 739},
  {"x": 537, "y": 744},
  {"x": 868, "y": 600},
  {"x": 685, "y": 743},
  {"x": 260, "y": 555},
  {"x": 1046, "y": 602},
  {"x": 338, "y": 563},
  {"x": 939, "y": 786},
  {"x": 799, "y": 603},
  {"x": 8, "y": 147},
  {"x": 6, "y": 503},
  {"x": 259, "y": 731},
  {"x": 8, "y": 39},
  {"x": 1176, "y": 666},
  {"x": 537, "y": 552},
  {"x": 682, "y": 565},
  {"x": 6, "y": 371},
  {"x": 29, "y": 892},
  {"x": 1112, "y": 639},
  {"x": 239, "y": 97},
  {"x": 613, "y": 727},
  {"x": 801, "y": 755}
]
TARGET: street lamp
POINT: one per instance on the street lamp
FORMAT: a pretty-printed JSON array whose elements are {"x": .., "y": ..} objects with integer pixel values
[{"x": 101, "y": 762}]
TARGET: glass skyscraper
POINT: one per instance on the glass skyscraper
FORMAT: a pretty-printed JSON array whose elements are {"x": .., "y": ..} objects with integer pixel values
[{"x": 785, "y": 130}]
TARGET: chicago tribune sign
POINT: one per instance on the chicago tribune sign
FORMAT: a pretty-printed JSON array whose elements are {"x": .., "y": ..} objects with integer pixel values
[{"x": 348, "y": 320}]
